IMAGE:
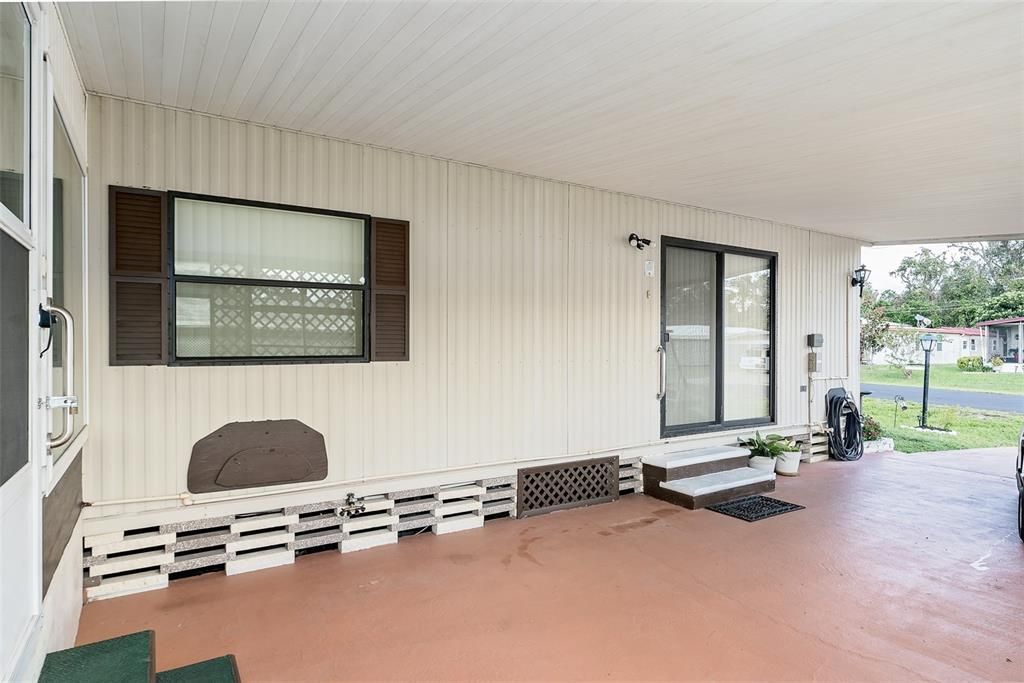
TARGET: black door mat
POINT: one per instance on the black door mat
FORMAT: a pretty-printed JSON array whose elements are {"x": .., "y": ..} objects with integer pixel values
[{"x": 755, "y": 508}]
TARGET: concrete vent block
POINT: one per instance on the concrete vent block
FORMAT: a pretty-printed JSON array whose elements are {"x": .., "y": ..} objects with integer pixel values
[
  {"x": 198, "y": 559},
  {"x": 260, "y": 559},
  {"x": 132, "y": 562},
  {"x": 203, "y": 539},
  {"x": 368, "y": 539},
  {"x": 258, "y": 540},
  {"x": 316, "y": 539},
  {"x": 458, "y": 523},
  {"x": 127, "y": 584},
  {"x": 271, "y": 520}
]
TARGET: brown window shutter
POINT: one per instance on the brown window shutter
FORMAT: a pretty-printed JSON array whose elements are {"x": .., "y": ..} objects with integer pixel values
[
  {"x": 138, "y": 276},
  {"x": 389, "y": 290}
]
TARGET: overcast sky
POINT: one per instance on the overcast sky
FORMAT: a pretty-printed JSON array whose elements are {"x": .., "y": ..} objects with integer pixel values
[{"x": 884, "y": 260}]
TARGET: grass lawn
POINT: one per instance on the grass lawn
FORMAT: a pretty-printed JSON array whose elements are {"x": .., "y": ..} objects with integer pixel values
[
  {"x": 974, "y": 428},
  {"x": 945, "y": 377}
]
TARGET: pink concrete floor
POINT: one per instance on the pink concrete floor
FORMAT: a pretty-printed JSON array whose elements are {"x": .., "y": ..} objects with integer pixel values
[{"x": 899, "y": 569}]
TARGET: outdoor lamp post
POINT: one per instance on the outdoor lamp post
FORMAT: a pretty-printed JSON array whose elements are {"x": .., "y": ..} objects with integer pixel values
[{"x": 927, "y": 345}]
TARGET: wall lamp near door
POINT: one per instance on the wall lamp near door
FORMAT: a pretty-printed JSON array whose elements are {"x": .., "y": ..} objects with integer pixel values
[
  {"x": 860, "y": 278},
  {"x": 638, "y": 242}
]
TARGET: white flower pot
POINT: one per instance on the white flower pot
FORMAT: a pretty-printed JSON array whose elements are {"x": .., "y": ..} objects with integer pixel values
[
  {"x": 788, "y": 464},
  {"x": 759, "y": 462}
]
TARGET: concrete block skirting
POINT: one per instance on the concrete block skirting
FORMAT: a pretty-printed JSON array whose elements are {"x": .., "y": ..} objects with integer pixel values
[{"x": 133, "y": 560}]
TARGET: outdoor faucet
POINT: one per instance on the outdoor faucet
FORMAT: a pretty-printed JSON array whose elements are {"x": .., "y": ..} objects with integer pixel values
[{"x": 353, "y": 506}]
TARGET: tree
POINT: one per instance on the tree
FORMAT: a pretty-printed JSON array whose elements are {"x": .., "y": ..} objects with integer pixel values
[
  {"x": 1001, "y": 263},
  {"x": 901, "y": 348},
  {"x": 924, "y": 272},
  {"x": 959, "y": 287},
  {"x": 1006, "y": 305},
  {"x": 874, "y": 329}
]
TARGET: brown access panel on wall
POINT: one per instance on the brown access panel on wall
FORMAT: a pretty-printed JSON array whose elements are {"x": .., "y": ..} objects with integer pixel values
[
  {"x": 61, "y": 509},
  {"x": 138, "y": 276},
  {"x": 243, "y": 455},
  {"x": 389, "y": 290}
]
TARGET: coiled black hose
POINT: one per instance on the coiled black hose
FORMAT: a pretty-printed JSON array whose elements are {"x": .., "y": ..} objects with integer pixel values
[{"x": 845, "y": 432}]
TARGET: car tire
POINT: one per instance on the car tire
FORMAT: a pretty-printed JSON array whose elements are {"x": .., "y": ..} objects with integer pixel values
[{"x": 1020, "y": 515}]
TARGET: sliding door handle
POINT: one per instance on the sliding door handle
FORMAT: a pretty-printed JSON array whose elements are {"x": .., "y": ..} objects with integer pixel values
[{"x": 662, "y": 367}]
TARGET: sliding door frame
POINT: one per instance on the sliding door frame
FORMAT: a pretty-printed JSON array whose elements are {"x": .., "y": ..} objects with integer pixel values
[{"x": 720, "y": 251}]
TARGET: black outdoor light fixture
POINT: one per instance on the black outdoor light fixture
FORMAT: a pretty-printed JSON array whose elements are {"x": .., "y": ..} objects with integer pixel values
[
  {"x": 638, "y": 242},
  {"x": 860, "y": 278}
]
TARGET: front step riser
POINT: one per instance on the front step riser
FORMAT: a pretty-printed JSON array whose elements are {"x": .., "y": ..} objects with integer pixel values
[
  {"x": 655, "y": 474},
  {"x": 697, "y": 502}
]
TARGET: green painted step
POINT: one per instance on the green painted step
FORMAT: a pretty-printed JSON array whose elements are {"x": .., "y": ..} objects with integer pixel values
[
  {"x": 217, "y": 670},
  {"x": 125, "y": 659}
]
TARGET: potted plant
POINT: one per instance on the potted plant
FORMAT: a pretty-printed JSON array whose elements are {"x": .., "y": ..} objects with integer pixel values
[{"x": 773, "y": 452}]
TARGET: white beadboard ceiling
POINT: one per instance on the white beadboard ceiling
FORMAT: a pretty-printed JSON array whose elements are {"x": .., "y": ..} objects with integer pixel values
[{"x": 888, "y": 122}]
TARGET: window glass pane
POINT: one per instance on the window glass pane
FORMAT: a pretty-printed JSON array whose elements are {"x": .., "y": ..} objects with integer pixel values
[
  {"x": 67, "y": 258},
  {"x": 14, "y": 46},
  {"x": 690, "y": 309},
  {"x": 747, "y": 294},
  {"x": 243, "y": 321},
  {"x": 233, "y": 240}
]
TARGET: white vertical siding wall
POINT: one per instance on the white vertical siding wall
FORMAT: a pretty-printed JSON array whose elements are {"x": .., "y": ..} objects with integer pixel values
[
  {"x": 68, "y": 89},
  {"x": 533, "y": 326}
]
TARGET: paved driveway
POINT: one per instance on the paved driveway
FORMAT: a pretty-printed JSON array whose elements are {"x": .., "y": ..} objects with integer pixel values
[{"x": 983, "y": 400}]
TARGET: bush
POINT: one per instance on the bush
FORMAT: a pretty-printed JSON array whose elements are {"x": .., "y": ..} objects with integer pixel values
[
  {"x": 971, "y": 364},
  {"x": 997, "y": 361},
  {"x": 872, "y": 430}
]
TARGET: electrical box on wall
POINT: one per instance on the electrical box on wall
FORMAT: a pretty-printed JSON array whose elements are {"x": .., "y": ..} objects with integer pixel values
[
  {"x": 815, "y": 341},
  {"x": 813, "y": 362}
]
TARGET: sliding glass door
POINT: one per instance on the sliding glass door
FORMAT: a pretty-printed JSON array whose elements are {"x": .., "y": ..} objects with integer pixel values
[{"x": 717, "y": 336}]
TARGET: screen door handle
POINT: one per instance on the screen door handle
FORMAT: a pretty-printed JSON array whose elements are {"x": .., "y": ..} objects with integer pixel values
[{"x": 68, "y": 401}]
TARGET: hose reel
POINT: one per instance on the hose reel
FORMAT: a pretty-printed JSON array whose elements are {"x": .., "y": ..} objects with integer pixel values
[{"x": 845, "y": 426}]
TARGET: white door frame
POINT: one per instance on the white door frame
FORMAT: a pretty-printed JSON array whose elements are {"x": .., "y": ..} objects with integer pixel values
[{"x": 20, "y": 496}]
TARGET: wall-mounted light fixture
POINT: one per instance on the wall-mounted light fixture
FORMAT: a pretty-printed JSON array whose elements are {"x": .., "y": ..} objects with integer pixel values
[
  {"x": 860, "y": 278},
  {"x": 638, "y": 242}
]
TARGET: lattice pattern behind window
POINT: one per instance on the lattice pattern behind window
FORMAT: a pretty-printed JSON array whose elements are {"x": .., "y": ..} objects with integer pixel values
[
  {"x": 567, "y": 485},
  {"x": 264, "y": 321}
]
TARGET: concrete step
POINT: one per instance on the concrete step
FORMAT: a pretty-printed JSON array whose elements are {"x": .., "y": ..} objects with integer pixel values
[
  {"x": 714, "y": 487},
  {"x": 692, "y": 463}
]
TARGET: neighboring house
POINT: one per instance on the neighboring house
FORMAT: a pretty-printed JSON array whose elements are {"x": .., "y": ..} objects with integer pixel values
[
  {"x": 1003, "y": 338},
  {"x": 954, "y": 343}
]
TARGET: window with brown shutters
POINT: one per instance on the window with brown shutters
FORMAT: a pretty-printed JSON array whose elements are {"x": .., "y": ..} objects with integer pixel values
[
  {"x": 203, "y": 280},
  {"x": 138, "y": 277},
  {"x": 389, "y": 290}
]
